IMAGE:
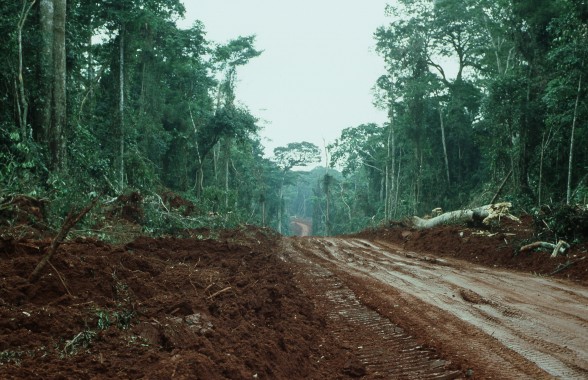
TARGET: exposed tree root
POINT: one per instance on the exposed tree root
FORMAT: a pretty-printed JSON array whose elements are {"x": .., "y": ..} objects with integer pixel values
[{"x": 220, "y": 292}]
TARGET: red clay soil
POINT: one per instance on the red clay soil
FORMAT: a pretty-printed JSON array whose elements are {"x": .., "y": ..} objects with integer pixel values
[
  {"x": 496, "y": 246},
  {"x": 227, "y": 308},
  {"x": 214, "y": 307}
]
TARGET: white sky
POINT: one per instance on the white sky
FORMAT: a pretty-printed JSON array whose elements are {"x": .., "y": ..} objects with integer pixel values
[{"x": 318, "y": 67}]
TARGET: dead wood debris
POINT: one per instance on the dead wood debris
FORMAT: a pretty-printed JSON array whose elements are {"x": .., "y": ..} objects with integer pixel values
[
  {"x": 71, "y": 220},
  {"x": 565, "y": 265},
  {"x": 220, "y": 292},
  {"x": 556, "y": 249}
]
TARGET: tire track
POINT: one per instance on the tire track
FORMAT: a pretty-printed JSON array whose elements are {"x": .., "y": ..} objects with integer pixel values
[
  {"x": 541, "y": 320},
  {"x": 386, "y": 350}
]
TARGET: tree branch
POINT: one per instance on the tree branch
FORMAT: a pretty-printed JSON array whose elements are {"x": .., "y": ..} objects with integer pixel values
[
  {"x": 440, "y": 69},
  {"x": 69, "y": 223}
]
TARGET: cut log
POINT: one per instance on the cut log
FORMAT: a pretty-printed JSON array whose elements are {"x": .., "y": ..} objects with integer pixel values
[{"x": 485, "y": 213}]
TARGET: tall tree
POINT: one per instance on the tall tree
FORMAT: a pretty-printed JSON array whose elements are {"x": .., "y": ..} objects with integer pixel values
[
  {"x": 22, "y": 102},
  {"x": 53, "y": 74},
  {"x": 59, "y": 122},
  {"x": 235, "y": 53},
  {"x": 361, "y": 149},
  {"x": 290, "y": 156},
  {"x": 566, "y": 93},
  {"x": 405, "y": 45}
]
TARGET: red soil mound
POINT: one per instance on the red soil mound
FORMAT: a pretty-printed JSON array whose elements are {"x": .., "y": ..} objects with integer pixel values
[
  {"x": 160, "y": 308},
  {"x": 496, "y": 246}
]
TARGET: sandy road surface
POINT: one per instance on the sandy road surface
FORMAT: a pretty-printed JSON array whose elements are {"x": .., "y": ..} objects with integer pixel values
[
  {"x": 411, "y": 316},
  {"x": 304, "y": 228}
]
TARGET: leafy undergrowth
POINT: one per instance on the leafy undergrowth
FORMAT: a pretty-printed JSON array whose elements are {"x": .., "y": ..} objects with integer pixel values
[
  {"x": 496, "y": 246},
  {"x": 158, "y": 308}
]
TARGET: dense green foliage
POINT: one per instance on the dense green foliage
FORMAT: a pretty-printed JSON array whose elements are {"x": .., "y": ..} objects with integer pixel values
[
  {"x": 119, "y": 99},
  {"x": 477, "y": 92},
  {"x": 150, "y": 107}
]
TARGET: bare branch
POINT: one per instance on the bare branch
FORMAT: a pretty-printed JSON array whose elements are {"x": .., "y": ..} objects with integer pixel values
[{"x": 69, "y": 223}]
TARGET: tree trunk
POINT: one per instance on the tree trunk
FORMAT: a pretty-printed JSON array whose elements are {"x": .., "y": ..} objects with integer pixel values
[
  {"x": 417, "y": 180},
  {"x": 349, "y": 215},
  {"x": 453, "y": 217},
  {"x": 200, "y": 179},
  {"x": 121, "y": 106},
  {"x": 545, "y": 140},
  {"x": 390, "y": 169},
  {"x": 215, "y": 163},
  {"x": 394, "y": 187},
  {"x": 444, "y": 147},
  {"x": 199, "y": 185},
  {"x": 227, "y": 154},
  {"x": 501, "y": 187},
  {"x": 23, "y": 107},
  {"x": 540, "y": 184},
  {"x": 524, "y": 148},
  {"x": 327, "y": 181},
  {"x": 327, "y": 184},
  {"x": 91, "y": 74},
  {"x": 46, "y": 69},
  {"x": 280, "y": 204},
  {"x": 484, "y": 213},
  {"x": 263, "y": 212},
  {"x": 387, "y": 198},
  {"x": 571, "y": 156},
  {"x": 398, "y": 182},
  {"x": 59, "y": 122},
  {"x": 70, "y": 221}
]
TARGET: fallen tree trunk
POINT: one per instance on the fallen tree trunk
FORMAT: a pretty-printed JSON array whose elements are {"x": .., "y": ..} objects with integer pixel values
[
  {"x": 485, "y": 213},
  {"x": 452, "y": 217},
  {"x": 501, "y": 187}
]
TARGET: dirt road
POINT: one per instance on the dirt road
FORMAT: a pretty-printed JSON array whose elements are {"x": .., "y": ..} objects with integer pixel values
[
  {"x": 301, "y": 227},
  {"x": 410, "y": 316}
]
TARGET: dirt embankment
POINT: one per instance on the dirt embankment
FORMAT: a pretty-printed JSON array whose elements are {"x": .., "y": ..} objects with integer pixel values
[
  {"x": 161, "y": 308},
  {"x": 495, "y": 246}
]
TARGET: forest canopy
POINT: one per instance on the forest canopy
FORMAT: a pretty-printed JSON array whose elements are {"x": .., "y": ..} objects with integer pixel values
[{"x": 110, "y": 97}]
